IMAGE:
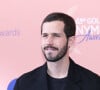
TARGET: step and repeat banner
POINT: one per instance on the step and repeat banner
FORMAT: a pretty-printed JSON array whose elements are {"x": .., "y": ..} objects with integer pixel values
[{"x": 20, "y": 37}]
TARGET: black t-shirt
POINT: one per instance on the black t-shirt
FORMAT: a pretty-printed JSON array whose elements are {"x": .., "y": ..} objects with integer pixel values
[{"x": 56, "y": 84}]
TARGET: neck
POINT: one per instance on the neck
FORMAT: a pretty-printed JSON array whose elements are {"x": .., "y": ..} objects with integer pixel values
[{"x": 58, "y": 69}]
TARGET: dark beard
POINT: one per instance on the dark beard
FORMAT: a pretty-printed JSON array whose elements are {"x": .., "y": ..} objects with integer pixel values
[{"x": 60, "y": 55}]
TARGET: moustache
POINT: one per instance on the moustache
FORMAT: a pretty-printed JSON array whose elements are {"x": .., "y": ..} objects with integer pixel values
[{"x": 50, "y": 47}]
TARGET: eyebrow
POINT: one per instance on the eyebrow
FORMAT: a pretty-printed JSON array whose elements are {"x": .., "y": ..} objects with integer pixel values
[{"x": 51, "y": 33}]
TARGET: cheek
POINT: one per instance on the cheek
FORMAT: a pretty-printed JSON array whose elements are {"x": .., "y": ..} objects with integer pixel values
[
  {"x": 42, "y": 43},
  {"x": 61, "y": 42}
]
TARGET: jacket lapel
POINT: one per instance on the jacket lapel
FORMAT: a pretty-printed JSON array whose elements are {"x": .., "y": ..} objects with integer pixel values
[
  {"x": 73, "y": 77},
  {"x": 43, "y": 78}
]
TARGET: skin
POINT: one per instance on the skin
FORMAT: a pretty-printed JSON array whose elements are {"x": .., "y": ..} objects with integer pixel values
[{"x": 55, "y": 48}]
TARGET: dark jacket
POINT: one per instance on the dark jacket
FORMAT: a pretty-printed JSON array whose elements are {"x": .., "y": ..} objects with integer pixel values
[{"x": 79, "y": 79}]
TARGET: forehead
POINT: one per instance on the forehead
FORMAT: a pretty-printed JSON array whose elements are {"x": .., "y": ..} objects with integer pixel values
[{"x": 53, "y": 27}]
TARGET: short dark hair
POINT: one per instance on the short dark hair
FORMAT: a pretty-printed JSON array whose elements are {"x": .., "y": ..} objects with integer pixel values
[{"x": 70, "y": 26}]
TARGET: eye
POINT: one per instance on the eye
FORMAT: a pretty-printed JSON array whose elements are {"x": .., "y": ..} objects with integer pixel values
[
  {"x": 56, "y": 35},
  {"x": 44, "y": 35}
]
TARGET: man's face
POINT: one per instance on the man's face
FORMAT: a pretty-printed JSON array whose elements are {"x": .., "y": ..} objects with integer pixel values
[{"x": 54, "y": 42}]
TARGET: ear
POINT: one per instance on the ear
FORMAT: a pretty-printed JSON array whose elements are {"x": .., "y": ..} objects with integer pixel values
[{"x": 71, "y": 41}]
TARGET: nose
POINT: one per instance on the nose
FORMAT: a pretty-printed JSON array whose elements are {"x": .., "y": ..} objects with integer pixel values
[{"x": 49, "y": 40}]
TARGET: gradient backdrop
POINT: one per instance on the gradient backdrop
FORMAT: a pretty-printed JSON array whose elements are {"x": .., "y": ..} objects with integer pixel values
[{"x": 20, "y": 38}]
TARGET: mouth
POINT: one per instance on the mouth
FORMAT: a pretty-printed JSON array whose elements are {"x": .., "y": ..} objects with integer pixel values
[{"x": 50, "y": 48}]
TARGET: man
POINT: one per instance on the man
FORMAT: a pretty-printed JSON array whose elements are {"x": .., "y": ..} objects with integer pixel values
[{"x": 59, "y": 72}]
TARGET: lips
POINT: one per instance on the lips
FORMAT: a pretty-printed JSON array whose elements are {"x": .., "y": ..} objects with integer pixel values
[{"x": 50, "y": 48}]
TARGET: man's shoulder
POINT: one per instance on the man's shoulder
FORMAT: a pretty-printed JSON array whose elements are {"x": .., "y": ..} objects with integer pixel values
[
  {"x": 32, "y": 74},
  {"x": 87, "y": 79},
  {"x": 86, "y": 73},
  {"x": 30, "y": 79}
]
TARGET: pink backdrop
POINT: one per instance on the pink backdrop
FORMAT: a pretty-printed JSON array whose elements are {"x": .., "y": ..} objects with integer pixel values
[{"x": 20, "y": 40}]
